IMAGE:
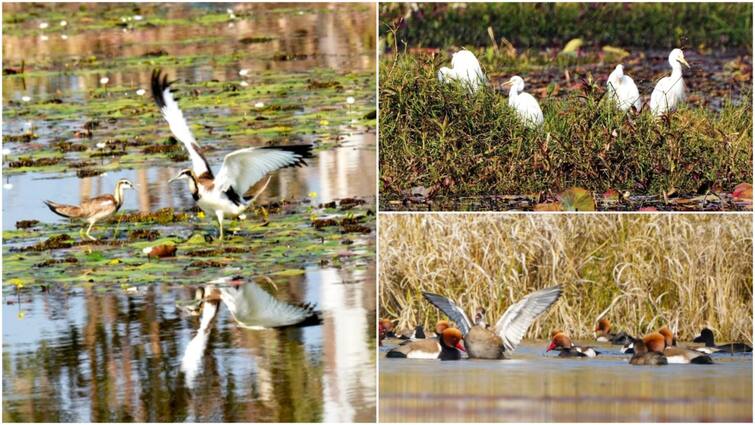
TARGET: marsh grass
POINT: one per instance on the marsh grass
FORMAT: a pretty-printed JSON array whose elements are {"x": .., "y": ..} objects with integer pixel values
[
  {"x": 640, "y": 271},
  {"x": 439, "y": 136}
]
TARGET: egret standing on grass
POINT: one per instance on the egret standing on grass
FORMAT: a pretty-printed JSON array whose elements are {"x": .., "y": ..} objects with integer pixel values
[
  {"x": 669, "y": 91},
  {"x": 622, "y": 90},
  {"x": 466, "y": 69},
  {"x": 525, "y": 104},
  {"x": 222, "y": 195}
]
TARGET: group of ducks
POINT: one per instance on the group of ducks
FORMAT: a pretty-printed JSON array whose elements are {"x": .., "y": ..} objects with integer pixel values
[
  {"x": 219, "y": 196},
  {"x": 477, "y": 340},
  {"x": 668, "y": 93}
]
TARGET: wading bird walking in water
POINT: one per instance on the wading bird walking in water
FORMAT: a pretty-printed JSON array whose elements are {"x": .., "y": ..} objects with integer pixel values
[
  {"x": 221, "y": 196},
  {"x": 93, "y": 209}
]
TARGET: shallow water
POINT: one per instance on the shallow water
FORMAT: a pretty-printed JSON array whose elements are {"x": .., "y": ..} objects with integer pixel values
[
  {"x": 90, "y": 355},
  {"x": 533, "y": 387}
]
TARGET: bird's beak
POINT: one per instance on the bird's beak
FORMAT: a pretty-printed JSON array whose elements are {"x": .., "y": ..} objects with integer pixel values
[
  {"x": 683, "y": 61},
  {"x": 507, "y": 83},
  {"x": 550, "y": 347},
  {"x": 176, "y": 178}
]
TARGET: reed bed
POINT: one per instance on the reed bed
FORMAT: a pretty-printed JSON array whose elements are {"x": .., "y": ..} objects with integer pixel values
[{"x": 640, "y": 271}]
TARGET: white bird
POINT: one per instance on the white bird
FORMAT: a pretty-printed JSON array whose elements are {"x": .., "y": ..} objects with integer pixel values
[
  {"x": 221, "y": 196},
  {"x": 525, "y": 104},
  {"x": 465, "y": 69},
  {"x": 622, "y": 90},
  {"x": 669, "y": 91}
]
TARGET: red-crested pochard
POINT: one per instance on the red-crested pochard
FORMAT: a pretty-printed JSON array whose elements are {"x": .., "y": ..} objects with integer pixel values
[
  {"x": 681, "y": 355},
  {"x": 603, "y": 334},
  {"x": 446, "y": 347},
  {"x": 706, "y": 336},
  {"x": 561, "y": 342},
  {"x": 645, "y": 357},
  {"x": 482, "y": 343}
]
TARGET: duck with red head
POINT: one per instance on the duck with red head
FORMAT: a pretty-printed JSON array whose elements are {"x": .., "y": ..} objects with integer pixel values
[
  {"x": 561, "y": 342},
  {"x": 603, "y": 334},
  {"x": 482, "y": 342},
  {"x": 446, "y": 347},
  {"x": 643, "y": 356}
]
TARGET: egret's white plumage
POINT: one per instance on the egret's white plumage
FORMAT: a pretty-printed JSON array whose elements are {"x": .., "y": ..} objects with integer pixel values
[
  {"x": 222, "y": 196},
  {"x": 465, "y": 69},
  {"x": 525, "y": 104},
  {"x": 669, "y": 92},
  {"x": 622, "y": 90}
]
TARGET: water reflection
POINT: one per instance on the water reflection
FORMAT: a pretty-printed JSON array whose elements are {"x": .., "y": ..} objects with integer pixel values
[
  {"x": 88, "y": 355},
  {"x": 535, "y": 388},
  {"x": 343, "y": 172}
]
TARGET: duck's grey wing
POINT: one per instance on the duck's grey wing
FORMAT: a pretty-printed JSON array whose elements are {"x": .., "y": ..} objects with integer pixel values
[
  {"x": 450, "y": 309},
  {"x": 514, "y": 323}
]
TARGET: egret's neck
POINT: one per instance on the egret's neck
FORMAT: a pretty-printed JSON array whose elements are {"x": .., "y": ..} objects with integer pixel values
[
  {"x": 513, "y": 93},
  {"x": 676, "y": 70}
]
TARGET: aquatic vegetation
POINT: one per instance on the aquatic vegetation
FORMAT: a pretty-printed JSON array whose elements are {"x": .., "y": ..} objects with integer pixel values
[
  {"x": 641, "y": 271},
  {"x": 437, "y": 136},
  {"x": 286, "y": 241}
]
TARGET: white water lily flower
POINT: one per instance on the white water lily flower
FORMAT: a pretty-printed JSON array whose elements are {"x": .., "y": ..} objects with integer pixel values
[
  {"x": 101, "y": 145},
  {"x": 44, "y": 37},
  {"x": 63, "y": 23},
  {"x": 8, "y": 186},
  {"x": 350, "y": 100},
  {"x": 138, "y": 17},
  {"x": 147, "y": 250},
  {"x": 244, "y": 84},
  {"x": 259, "y": 105},
  {"x": 43, "y": 25},
  {"x": 104, "y": 80},
  {"x": 64, "y": 37},
  {"x": 26, "y": 99},
  {"x": 141, "y": 92},
  {"x": 244, "y": 72}
]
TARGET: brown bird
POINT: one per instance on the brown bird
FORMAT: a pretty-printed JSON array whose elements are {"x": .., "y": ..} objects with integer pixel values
[
  {"x": 561, "y": 342},
  {"x": 483, "y": 343},
  {"x": 447, "y": 346},
  {"x": 644, "y": 356},
  {"x": 93, "y": 209},
  {"x": 603, "y": 334}
]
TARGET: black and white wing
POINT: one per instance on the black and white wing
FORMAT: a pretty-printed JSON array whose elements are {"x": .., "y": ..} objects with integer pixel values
[
  {"x": 254, "y": 308},
  {"x": 450, "y": 309},
  {"x": 178, "y": 126},
  {"x": 514, "y": 323},
  {"x": 245, "y": 167}
]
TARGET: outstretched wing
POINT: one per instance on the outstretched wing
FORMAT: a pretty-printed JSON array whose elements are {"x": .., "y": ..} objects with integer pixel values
[
  {"x": 169, "y": 108},
  {"x": 253, "y": 308},
  {"x": 245, "y": 167},
  {"x": 512, "y": 326},
  {"x": 450, "y": 309}
]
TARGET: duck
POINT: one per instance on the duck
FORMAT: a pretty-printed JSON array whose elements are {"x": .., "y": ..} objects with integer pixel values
[
  {"x": 94, "y": 209},
  {"x": 603, "y": 334},
  {"x": 681, "y": 355},
  {"x": 622, "y": 90},
  {"x": 221, "y": 195},
  {"x": 253, "y": 308},
  {"x": 524, "y": 104},
  {"x": 483, "y": 343},
  {"x": 465, "y": 69},
  {"x": 446, "y": 347},
  {"x": 706, "y": 336},
  {"x": 670, "y": 91},
  {"x": 561, "y": 342},
  {"x": 644, "y": 357}
]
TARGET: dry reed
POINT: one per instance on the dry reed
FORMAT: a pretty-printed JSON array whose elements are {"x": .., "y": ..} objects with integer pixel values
[{"x": 640, "y": 271}]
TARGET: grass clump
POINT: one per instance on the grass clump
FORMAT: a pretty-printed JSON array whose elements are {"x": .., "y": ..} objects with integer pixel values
[
  {"x": 656, "y": 25},
  {"x": 640, "y": 271},
  {"x": 439, "y": 136}
]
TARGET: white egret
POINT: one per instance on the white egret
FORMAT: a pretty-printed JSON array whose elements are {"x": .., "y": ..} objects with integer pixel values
[
  {"x": 465, "y": 69},
  {"x": 669, "y": 91},
  {"x": 622, "y": 90},
  {"x": 525, "y": 104}
]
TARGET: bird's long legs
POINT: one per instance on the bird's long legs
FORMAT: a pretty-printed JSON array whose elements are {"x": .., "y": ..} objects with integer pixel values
[
  {"x": 89, "y": 229},
  {"x": 220, "y": 223}
]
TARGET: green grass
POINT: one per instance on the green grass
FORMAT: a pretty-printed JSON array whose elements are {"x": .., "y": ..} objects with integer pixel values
[
  {"x": 641, "y": 271},
  {"x": 651, "y": 25},
  {"x": 438, "y": 136}
]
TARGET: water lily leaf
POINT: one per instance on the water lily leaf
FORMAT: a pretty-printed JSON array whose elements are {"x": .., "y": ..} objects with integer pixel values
[
  {"x": 572, "y": 46},
  {"x": 577, "y": 199},
  {"x": 611, "y": 195},
  {"x": 743, "y": 192},
  {"x": 548, "y": 206},
  {"x": 615, "y": 52}
]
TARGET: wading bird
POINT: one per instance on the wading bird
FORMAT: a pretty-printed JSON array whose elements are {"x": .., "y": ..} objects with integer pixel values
[
  {"x": 482, "y": 343},
  {"x": 94, "y": 209},
  {"x": 221, "y": 196},
  {"x": 622, "y": 90},
  {"x": 669, "y": 92},
  {"x": 464, "y": 68},
  {"x": 525, "y": 104}
]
